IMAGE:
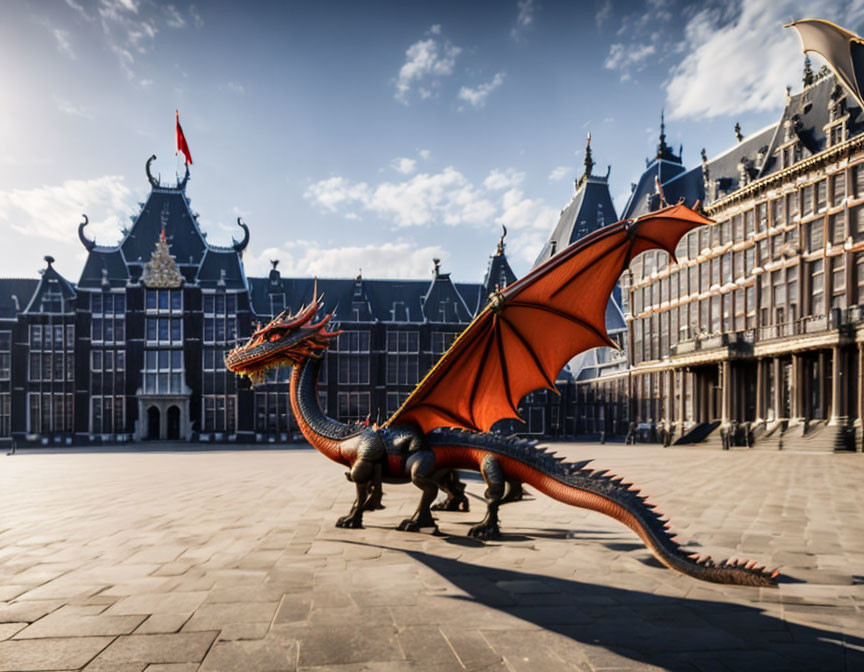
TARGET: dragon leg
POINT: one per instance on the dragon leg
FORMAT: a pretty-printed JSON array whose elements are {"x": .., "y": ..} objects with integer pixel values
[
  {"x": 454, "y": 489},
  {"x": 373, "y": 501},
  {"x": 362, "y": 475},
  {"x": 496, "y": 484},
  {"x": 514, "y": 493},
  {"x": 421, "y": 466}
]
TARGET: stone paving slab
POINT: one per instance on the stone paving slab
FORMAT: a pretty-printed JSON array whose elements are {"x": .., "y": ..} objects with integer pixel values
[{"x": 174, "y": 562}]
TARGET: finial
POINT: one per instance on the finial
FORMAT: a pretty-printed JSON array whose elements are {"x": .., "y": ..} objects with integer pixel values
[
  {"x": 704, "y": 155},
  {"x": 274, "y": 263},
  {"x": 662, "y": 149},
  {"x": 48, "y": 259},
  {"x": 239, "y": 247},
  {"x": 808, "y": 77},
  {"x": 589, "y": 159},
  {"x": 315, "y": 290},
  {"x": 162, "y": 233},
  {"x": 738, "y": 134},
  {"x": 153, "y": 181},
  {"x": 86, "y": 242},
  {"x": 501, "y": 242},
  {"x": 437, "y": 264}
]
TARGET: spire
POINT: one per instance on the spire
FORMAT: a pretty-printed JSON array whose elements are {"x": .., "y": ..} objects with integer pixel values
[
  {"x": 808, "y": 77},
  {"x": 589, "y": 163},
  {"x": 663, "y": 150}
]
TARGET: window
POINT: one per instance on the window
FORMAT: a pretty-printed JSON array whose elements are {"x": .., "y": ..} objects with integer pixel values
[
  {"x": 5, "y": 415},
  {"x": 163, "y": 372},
  {"x": 35, "y": 336},
  {"x": 727, "y": 268},
  {"x": 761, "y": 217},
  {"x": 107, "y": 415},
  {"x": 778, "y": 212},
  {"x": 838, "y": 189},
  {"x": 164, "y": 300},
  {"x": 858, "y": 176},
  {"x": 856, "y": 222},
  {"x": 353, "y": 406},
  {"x": 5, "y": 356},
  {"x": 817, "y": 287},
  {"x": 807, "y": 199},
  {"x": 164, "y": 330},
  {"x": 837, "y": 227},
  {"x": 220, "y": 413},
  {"x": 442, "y": 340},
  {"x": 838, "y": 281},
  {"x": 859, "y": 277},
  {"x": 821, "y": 195},
  {"x": 792, "y": 291},
  {"x": 815, "y": 239}
]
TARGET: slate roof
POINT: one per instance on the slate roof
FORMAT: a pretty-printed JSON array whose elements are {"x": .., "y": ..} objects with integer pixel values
[
  {"x": 808, "y": 109},
  {"x": 21, "y": 289},
  {"x": 49, "y": 276},
  {"x": 579, "y": 216}
]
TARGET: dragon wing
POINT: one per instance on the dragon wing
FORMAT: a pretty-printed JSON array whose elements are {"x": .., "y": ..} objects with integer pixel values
[{"x": 529, "y": 330}]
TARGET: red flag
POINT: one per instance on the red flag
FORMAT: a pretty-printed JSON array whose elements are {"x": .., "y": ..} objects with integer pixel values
[{"x": 181, "y": 142}]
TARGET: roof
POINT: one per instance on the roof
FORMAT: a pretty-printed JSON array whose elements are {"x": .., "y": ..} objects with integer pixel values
[
  {"x": 580, "y": 216},
  {"x": 49, "y": 280},
  {"x": 807, "y": 112},
  {"x": 15, "y": 295}
]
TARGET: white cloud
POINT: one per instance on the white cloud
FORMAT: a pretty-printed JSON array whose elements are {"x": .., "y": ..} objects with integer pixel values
[
  {"x": 559, "y": 173},
  {"x": 70, "y": 108},
  {"x": 53, "y": 212},
  {"x": 447, "y": 197},
  {"x": 742, "y": 60},
  {"x": 476, "y": 97},
  {"x": 524, "y": 18},
  {"x": 233, "y": 87},
  {"x": 399, "y": 259},
  {"x": 424, "y": 154},
  {"x": 628, "y": 58},
  {"x": 604, "y": 12},
  {"x": 64, "y": 45},
  {"x": 503, "y": 179},
  {"x": 426, "y": 62},
  {"x": 196, "y": 16},
  {"x": 175, "y": 18},
  {"x": 404, "y": 165}
]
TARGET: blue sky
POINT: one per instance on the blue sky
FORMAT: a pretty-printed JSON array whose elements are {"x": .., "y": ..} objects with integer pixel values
[{"x": 371, "y": 136}]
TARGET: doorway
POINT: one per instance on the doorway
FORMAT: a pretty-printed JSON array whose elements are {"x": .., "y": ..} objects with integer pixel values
[
  {"x": 173, "y": 422},
  {"x": 153, "y": 424}
]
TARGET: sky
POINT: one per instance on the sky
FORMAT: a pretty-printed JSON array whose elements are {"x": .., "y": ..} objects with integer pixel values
[{"x": 367, "y": 136}]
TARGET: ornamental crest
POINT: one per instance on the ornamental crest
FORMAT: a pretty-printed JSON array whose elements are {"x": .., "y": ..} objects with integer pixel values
[{"x": 161, "y": 271}]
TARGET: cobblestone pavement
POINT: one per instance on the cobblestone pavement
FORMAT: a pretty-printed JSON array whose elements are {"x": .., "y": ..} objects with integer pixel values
[{"x": 182, "y": 561}]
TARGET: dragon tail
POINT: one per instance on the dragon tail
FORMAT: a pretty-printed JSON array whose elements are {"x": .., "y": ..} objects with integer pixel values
[{"x": 575, "y": 484}]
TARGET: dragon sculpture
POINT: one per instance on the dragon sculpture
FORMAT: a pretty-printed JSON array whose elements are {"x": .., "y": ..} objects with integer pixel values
[{"x": 517, "y": 343}]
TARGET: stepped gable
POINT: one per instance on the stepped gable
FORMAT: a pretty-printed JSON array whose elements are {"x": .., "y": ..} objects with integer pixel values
[
  {"x": 590, "y": 208},
  {"x": 16, "y": 295},
  {"x": 50, "y": 286}
]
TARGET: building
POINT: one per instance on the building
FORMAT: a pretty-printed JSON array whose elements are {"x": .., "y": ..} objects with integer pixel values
[
  {"x": 134, "y": 350},
  {"x": 756, "y": 335}
]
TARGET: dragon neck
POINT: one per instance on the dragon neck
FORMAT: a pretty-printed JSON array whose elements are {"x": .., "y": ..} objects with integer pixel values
[{"x": 324, "y": 433}]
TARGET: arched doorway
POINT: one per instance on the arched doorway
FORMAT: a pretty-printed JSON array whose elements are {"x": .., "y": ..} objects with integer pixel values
[
  {"x": 173, "y": 420},
  {"x": 152, "y": 423}
]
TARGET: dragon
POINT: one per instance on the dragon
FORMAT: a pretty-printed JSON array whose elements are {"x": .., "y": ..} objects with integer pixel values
[{"x": 517, "y": 343}]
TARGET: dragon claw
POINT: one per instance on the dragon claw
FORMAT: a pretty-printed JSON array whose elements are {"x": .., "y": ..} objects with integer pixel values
[
  {"x": 485, "y": 531},
  {"x": 411, "y": 525},
  {"x": 350, "y": 522}
]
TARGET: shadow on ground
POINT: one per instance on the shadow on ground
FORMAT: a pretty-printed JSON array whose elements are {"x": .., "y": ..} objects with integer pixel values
[{"x": 678, "y": 634}]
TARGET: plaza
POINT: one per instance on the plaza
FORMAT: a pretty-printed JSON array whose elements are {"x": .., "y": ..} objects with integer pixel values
[{"x": 181, "y": 560}]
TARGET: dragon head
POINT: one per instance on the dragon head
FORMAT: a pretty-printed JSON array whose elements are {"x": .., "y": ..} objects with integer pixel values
[{"x": 288, "y": 339}]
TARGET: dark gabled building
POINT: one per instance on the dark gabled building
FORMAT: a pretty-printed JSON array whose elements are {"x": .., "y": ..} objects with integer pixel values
[{"x": 134, "y": 350}]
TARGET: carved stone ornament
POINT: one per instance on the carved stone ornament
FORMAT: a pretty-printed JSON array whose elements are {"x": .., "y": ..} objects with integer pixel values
[{"x": 161, "y": 271}]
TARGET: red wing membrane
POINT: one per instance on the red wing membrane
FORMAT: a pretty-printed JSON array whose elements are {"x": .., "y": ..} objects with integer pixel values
[{"x": 523, "y": 338}]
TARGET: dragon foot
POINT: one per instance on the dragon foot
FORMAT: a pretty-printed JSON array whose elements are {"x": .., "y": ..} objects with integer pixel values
[
  {"x": 350, "y": 522},
  {"x": 485, "y": 531},
  {"x": 411, "y": 525},
  {"x": 452, "y": 503}
]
